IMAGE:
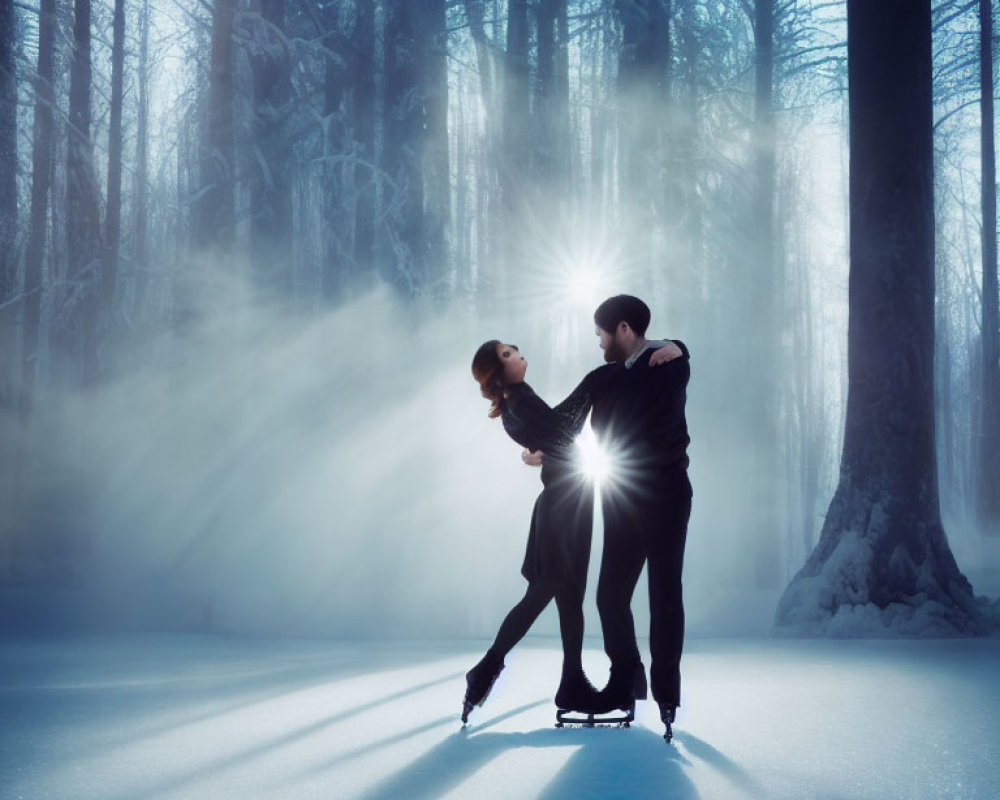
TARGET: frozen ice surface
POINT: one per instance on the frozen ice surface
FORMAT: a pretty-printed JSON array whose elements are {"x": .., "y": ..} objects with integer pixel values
[{"x": 183, "y": 716}]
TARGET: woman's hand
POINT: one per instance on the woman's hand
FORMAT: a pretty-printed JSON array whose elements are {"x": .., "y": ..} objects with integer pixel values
[
  {"x": 668, "y": 352},
  {"x": 533, "y": 458}
]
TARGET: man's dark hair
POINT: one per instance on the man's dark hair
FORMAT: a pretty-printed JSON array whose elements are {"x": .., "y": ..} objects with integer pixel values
[{"x": 622, "y": 308}]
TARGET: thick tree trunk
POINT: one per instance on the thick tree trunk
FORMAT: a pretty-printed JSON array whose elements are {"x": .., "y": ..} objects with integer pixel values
[
  {"x": 883, "y": 564},
  {"x": 989, "y": 444},
  {"x": 215, "y": 211},
  {"x": 271, "y": 161},
  {"x": 41, "y": 179},
  {"x": 77, "y": 339},
  {"x": 113, "y": 219},
  {"x": 8, "y": 153}
]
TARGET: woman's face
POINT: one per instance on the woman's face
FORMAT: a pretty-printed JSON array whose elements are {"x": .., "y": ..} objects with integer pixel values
[{"x": 514, "y": 365}]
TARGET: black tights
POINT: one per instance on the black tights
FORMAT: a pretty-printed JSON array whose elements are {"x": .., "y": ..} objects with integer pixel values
[{"x": 569, "y": 602}]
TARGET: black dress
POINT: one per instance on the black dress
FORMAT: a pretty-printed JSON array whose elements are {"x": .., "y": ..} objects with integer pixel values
[{"x": 558, "y": 548}]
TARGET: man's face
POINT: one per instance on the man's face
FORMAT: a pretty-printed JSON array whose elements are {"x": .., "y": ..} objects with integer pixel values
[{"x": 612, "y": 344}]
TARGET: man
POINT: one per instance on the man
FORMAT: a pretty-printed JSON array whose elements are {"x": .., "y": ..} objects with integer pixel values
[{"x": 640, "y": 420}]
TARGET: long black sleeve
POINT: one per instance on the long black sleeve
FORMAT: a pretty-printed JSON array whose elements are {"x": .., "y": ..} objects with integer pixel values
[{"x": 531, "y": 422}]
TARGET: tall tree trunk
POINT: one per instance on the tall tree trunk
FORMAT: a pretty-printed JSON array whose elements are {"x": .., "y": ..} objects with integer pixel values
[
  {"x": 883, "y": 562},
  {"x": 989, "y": 444},
  {"x": 78, "y": 338},
  {"x": 487, "y": 185},
  {"x": 642, "y": 99},
  {"x": 8, "y": 152},
  {"x": 551, "y": 152},
  {"x": 415, "y": 155},
  {"x": 687, "y": 134},
  {"x": 140, "y": 227},
  {"x": 113, "y": 220},
  {"x": 363, "y": 81},
  {"x": 514, "y": 153},
  {"x": 215, "y": 211},
  {"x": 517, "y": 102},
  {"x": 433, "y": 56},
  {"x": 642, "y": 71},
  {"x": 41, "y": 179},
  {"x": 271, "y": 163},
  {"x": 763, "y": 286}
]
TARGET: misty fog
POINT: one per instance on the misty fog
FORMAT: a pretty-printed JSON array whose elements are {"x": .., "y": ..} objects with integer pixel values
[
  {"x": 264, "y": 471},
  {"x": 330, "y": 473}
]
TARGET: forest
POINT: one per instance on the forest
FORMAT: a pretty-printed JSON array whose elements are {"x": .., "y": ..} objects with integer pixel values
[{"x": 248, "y": 247}]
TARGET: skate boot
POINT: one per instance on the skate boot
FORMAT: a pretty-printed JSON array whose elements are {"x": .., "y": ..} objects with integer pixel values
[
  {"x": 579, "y": 703},
  {"x": 576, "y": 693},
  {"x": 626, "y": 684},
  {"x": 479, "y": 680},
  {"x": 668, "y": 713}
]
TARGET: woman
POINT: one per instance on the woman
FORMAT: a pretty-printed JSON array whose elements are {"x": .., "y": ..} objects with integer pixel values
[{"x": 558, "y": 552}]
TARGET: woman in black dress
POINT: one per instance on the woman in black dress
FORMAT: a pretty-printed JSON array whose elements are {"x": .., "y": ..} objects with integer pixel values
[{"x": 558, "y": 551}]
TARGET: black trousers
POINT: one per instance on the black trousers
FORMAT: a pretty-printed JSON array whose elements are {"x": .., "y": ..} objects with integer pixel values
[{"x": 640, "y": 527}]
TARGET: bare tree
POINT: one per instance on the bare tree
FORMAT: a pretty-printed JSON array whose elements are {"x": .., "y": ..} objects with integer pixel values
[
  {"x": 215, "y": 209},
  {"x": 8, "y": 152},
  {"x": 415, "y": 152},
  {"x": 362, "y": 78},
  {"x": 41, "y": 179},
  {"x": 552, "y": 151},
  {"x": 270, "y": 178},
  {"x": 113, "y": 218},
  {"x": 140, "y": 220},
  {"x": 77, "y": 337}
]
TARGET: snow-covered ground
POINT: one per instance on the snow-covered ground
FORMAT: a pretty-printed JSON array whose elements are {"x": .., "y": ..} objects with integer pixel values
[{"x": 179, "y": 716}]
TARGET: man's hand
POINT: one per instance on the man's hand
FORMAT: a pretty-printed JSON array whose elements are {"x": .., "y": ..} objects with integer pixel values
[
  {"x": 668, "y": 352},
  {"x": 533, "y": 458}
]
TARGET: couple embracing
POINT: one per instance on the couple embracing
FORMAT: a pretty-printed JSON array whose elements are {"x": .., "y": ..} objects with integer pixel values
[{"x": 636, "y": 402}]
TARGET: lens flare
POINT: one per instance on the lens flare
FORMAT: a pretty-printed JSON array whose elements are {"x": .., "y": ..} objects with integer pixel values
[{"x": 592, "y": 459}]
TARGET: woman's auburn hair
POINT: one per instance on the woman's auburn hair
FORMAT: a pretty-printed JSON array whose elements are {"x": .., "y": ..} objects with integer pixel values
[{"x": 487, "y": 369}]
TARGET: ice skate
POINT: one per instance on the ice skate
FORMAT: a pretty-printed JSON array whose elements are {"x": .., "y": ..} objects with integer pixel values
[
  {"x": 479, "y": 681},
  {"x": 626, "y": 684},
  {"x": 579, "y": 703},
  {"x": 621, "y": 718},
  {"x": 576, "y": 692},
  {"x": 667, "y": 715}
]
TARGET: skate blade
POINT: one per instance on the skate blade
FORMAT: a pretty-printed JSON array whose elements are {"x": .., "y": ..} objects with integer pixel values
[
  {"x": 468, "y": 705},
  {"x": 566, "y": 717}
]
